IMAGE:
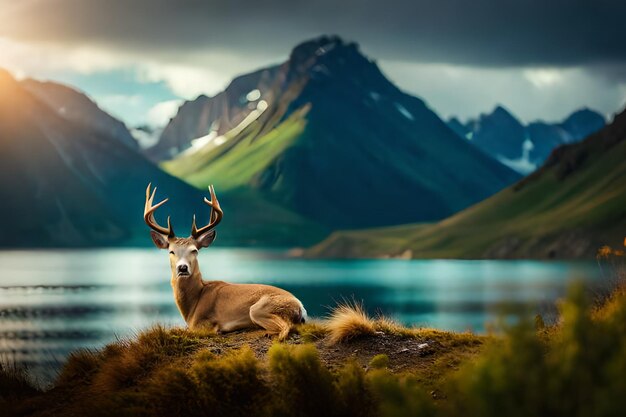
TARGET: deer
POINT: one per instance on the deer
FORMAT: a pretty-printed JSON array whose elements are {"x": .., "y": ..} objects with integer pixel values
[{"x": 218, "y": 305}]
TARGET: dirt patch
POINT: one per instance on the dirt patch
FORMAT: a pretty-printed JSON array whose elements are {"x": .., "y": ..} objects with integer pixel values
[{"x": 415, "y": 354}]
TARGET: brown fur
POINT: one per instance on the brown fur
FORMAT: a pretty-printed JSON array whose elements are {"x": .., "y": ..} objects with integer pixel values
[{"x": 227, "y": 307}]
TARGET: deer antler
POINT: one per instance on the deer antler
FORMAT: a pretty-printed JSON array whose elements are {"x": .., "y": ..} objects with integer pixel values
[
  {"x": 214, "y": 218},
  {"x": 148, "y": 214}
]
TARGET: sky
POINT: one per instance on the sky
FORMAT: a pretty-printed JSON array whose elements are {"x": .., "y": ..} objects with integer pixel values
[{"x": 139, "y": 59}]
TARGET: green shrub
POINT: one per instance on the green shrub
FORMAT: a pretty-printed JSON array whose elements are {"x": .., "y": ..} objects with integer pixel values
[
  {"x": 577, "y": 371},
  {"x": 354, "y": 394},
  {"x": 304, "y": 385},
  {"x": 231, "y": 385},
  {"x": 399, "y": 396}
]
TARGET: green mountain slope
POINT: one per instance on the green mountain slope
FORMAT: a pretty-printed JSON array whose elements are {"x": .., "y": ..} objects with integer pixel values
[
  {"x": 245, "y": 155},
  {"x": 332, "y": 136},
  {"x": 70, "y": 184},
  {"x": 569, "y": 208}
]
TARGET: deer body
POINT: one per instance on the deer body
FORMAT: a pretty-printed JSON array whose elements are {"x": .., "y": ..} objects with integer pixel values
[
  {"x": 227, "y": 307},
  {"x": 219, "y": 305}
]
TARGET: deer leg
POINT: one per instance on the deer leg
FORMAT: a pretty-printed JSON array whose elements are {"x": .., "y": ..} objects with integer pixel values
[
  {"x": 262, "y": 314},
  {"x": 231, "y": 326}
]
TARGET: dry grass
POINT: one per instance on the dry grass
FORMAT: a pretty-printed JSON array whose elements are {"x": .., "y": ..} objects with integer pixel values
[
  {"x": 15, "y": 382},
  {"x": 613, "y": 261},
  {"x": 611, "y": 303},
  {"x": 349, "y": 321},
  {"x": 128, "y": 362}
]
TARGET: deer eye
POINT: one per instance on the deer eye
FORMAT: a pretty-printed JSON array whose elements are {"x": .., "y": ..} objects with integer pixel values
[
  {"x": 194, "y": 251},
  {"x": 171, "y": 252}
]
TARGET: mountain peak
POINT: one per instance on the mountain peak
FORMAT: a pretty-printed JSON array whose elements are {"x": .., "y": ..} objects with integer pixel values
[
  {"x": 583, "y": 113},
  {"x": 583, "y": 122},
  {"x": 318, "y": 46},
  {"x": 501, "y": 111},
  {"x": 329, "y": 52}
]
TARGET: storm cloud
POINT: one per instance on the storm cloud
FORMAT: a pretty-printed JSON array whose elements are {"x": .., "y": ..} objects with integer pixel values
[
  {"x": 477, "y": 32},
  {"x": 541, "y": 59}
]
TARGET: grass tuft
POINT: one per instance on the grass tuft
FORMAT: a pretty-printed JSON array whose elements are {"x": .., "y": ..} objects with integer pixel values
[
  {"x": 349, "y": 321},
  {"x": 15, "y": 382},
  {"x": 392, "y": 327},
  {"x": 129, "y": 362},
  {"x": 80, "y": 365}
]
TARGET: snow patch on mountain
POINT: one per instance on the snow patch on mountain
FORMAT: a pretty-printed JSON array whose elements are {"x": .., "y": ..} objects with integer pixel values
[
  {"x": 404, "y": 111},
  {"x": 523, "y": 164}
]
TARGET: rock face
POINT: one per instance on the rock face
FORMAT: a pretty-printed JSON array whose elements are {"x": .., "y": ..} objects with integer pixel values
[
  {"x": 198, "y": 118},
  {"x": 337, "y": 142},
  {"x": 525, "y": 147},
  {"x": 76, "y": 107},
  {"x": 64, "y": 183}
]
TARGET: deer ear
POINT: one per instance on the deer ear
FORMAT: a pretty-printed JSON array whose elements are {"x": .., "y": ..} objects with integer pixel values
[
  {"x": 160, "y": 241},
  {"x": 205, "y": 239}
]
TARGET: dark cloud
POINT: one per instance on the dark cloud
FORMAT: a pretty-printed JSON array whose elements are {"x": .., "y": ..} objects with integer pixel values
[{"x": 467, "y": 32}]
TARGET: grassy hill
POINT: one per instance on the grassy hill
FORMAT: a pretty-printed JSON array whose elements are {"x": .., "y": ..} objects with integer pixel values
[
  {"x": 569, "y": 208},
  {"x": 348, "y": 365}
]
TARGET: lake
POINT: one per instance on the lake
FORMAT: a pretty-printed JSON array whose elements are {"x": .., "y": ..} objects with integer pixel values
[{"x": 52, "y": 302}]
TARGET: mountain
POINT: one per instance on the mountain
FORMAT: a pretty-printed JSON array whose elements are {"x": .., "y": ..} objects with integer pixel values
[
  {"x": 525, "y": 147},
  {"x": 574, "y": 204},
  {"x": 64, "y": 183},
  {"x": 499, "y": 134},
  {"x": 458, "y": 127},
  {"x": 582, "y": 123},
  {"x": 198, "y": 118},
  {"x": 76, "y": 107},
  {"x": 332, "y": 139}
]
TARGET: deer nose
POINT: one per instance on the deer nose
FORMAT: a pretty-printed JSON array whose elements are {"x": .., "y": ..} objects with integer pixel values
[{"x": 183, "y": 269}]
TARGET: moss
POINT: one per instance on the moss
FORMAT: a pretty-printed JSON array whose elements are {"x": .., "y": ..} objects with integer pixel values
[
  {"x": 380, "y": 361},
  {"x": 312, "y": 331}
]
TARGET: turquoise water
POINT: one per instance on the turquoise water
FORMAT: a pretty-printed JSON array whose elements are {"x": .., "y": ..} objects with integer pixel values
[{"x": 52, "y": 302}]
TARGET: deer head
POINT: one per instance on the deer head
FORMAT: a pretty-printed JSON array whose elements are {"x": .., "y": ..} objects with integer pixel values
[{"x": 183, "y": 251}]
